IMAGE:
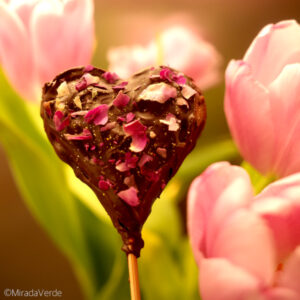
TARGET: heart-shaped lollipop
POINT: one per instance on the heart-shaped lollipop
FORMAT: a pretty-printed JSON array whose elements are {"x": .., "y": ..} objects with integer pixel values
[{"x": 123, "y": 139}]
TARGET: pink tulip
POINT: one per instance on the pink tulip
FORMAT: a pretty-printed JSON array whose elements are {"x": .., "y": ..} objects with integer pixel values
[
  {"x": 178, "y": 47},
  {"x": 246, "y": 247},
  {"x": 41, "y": 38},
  {"x": 262, "y": 100}
]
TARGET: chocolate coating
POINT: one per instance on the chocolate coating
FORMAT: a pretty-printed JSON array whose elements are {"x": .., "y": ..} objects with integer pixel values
[{"x": 167, "y": 116}]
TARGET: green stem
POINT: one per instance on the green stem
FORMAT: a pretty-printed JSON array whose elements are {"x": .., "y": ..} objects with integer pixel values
[{"x": 258, "y": 180}]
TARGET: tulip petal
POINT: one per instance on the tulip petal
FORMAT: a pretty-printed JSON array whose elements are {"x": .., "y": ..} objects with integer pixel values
[
  {"x": 247, "y": 108},
  {"x": 15, "y": 59},
  {"x": 245, "y": 240},
  {"x": 125, "y": 61},
  {"x": 181, "y": 48},
  {"x": 214, "y": 195},
  {"x": 185, "y": 50},
  {"x": 291, "y": 274},
  {"x": 279, "y": 205},
  {"x": 285, "y": 102},
  {"x": 266, "y": 55},
  {"x": 280, "y": 293},
  {"x": 59, "y": 40},
  {"x": 221, "y": 280}
]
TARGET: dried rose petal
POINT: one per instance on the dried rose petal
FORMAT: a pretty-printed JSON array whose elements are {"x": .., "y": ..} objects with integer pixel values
[
  {"x": 121, "y": 100},
  {"x": 88, "y": 68},
  {"x": 81, "y": 85},
  {"x": 120, "y": 86},
  {"x": 130, "y": 196},
  {"x": 104, "y": 185},
  {"x": 160, "y": 92},
  {"x": 85, "y": 135},
  {"x": 137, "y": 131},
  {"x": 171, "y": 121},
  {"x": 180, "y": 79},
  {"x": 79, "y": 113},
  {"x": 129, "y": 162},
  {"x": 108, "y": 126},
  {"x": 110, "y": 77},
  {"x": 122, "y": 167},
  {"x": 122, "y": 119},
  {"x": 58, "y": 121},
  {"x": 166, "y": 74},
  {"x": 129, "y": 117},
  {"x": 98, "y": 115},
  {"x": 144, "y": 159},
  {"x": 187, "y": 92},
  {"x": 150, "y": 175},
  {"x": 130, "y": 181}
]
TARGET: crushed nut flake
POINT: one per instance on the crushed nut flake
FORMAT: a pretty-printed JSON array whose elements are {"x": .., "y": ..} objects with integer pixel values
[{"x": 77, "y": 102}]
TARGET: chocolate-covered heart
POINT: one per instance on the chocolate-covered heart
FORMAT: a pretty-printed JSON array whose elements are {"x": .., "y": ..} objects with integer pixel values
[{"x": 123, "y": 139}]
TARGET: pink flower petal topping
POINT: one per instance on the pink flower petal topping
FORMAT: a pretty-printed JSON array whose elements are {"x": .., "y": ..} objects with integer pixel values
[
  {"x": 129, "y": 180},
  {"x": 120, "y": 86},
  {"x": 171, "y": 121},
  {"x": 180, "y": 79},
  {"x": 104, "y": 185},
  {"x": 129, "y": 117},
  {"x": 160, "y": 92},
  {"x": 144, "y": 159},
  {"x": 79, "y": 113},
  {"x": 121, "y": 100},
  {"x": 88, "y": 68},
  {"x": 85, "y": 135},
  {"x": 81, "y": 85},
  {"x": 150, "y": 174},
  {"x": 187, "y": 92},
  {"x": 86, "y": 80},
  {"x": 110, "y": 77},
  {"x": 128, "y": 163},
  {"x": 108, "y": 126},
  {"x": 121, "y": 119},
  {"x": 137, "y": 131},
  {"x": 130, "y": 196},
  {"x": 98, "y": 115},
  {"x": 59, "y": 122},
  {"x": 167, "y": 74}
]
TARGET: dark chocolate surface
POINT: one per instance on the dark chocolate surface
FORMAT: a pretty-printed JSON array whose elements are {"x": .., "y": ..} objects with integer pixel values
[{"x": 126, "y": 148}]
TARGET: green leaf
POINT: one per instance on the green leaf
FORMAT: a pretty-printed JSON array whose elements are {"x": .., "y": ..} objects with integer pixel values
[{"x": 258, "y": 180}]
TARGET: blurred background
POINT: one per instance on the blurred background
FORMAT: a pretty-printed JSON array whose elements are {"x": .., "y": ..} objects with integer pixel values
[{"x": 28, "y": 258}]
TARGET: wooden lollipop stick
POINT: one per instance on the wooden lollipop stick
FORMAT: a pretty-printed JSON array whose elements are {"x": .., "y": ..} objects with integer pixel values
[{"x": 134, "y": 277}]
